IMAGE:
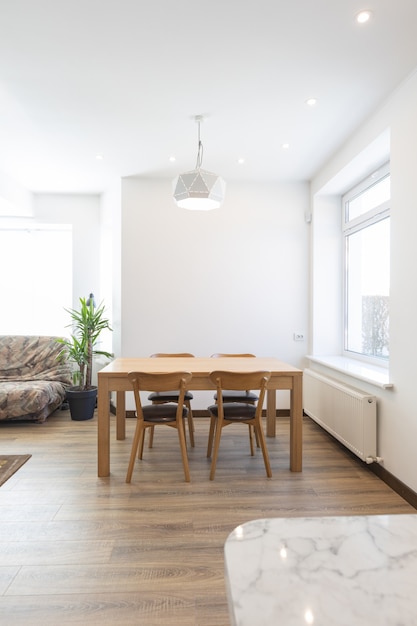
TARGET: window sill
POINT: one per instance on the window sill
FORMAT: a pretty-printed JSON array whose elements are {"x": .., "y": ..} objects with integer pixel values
[{"x": 372, "y": 374}]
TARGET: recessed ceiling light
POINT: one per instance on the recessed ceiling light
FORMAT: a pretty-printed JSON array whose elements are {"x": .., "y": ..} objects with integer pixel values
[
  {"x": 363, "y": 16},
  {"x": 241, "y": 160},
  {"x": 99, "y": 157},
  {"x": 172, "y": 159},
  {"x": 285, "y": 146},
  {"x": 311, "y": 102}
]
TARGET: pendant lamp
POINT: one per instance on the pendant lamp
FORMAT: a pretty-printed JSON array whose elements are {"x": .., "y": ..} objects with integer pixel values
[{"x": 198, "y": 189}]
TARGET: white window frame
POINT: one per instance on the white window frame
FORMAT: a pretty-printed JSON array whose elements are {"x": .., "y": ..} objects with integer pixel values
[{"x": 371, "y": 217}]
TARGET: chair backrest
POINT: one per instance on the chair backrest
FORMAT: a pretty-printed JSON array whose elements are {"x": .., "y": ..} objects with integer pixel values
[
  {"x": 171, "y": 381},
  {"x": 168, "y": 354},
  {"x": 239, "y": 381},
  {"x": 220, "y": 355}
]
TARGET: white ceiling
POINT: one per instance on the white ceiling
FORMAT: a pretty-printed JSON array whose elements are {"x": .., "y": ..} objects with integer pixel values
[{"x": 124, "y": 79}]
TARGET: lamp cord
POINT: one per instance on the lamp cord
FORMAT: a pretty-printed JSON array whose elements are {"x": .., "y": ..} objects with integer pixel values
[{"x": 200, "y": 150}]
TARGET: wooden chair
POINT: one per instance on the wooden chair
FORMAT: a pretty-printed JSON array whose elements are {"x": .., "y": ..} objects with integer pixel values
[
  {"x": 172, "y": 396},
  {"x": 225, "y": 413},
  {"x": 238, "y": 396},
  {"x": 165, "y": 414}
]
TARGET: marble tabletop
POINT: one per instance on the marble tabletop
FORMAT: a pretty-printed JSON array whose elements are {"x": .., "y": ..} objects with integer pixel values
[{"x": 327, "y": 571}]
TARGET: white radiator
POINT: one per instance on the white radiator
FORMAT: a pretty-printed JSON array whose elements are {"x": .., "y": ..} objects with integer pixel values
[{"x": 345, "y": 412}]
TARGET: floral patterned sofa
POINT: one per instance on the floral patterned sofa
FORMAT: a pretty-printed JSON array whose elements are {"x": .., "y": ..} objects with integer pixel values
[{"x": 33, "y": 381}]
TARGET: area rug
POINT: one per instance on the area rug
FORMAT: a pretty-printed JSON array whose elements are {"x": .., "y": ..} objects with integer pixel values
[{"x": 9, "y": 464}]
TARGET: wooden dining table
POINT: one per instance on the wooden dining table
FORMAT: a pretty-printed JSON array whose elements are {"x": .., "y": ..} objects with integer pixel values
[{"x": 113, "y": 377}]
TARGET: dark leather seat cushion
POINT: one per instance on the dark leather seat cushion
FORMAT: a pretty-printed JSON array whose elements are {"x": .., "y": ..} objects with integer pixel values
[
  {"x": 235, "y": 411},
  {"x": 238, "y": 396},
  {"x": 168, "y": 396},
  {"x": 160, "y": 413}
]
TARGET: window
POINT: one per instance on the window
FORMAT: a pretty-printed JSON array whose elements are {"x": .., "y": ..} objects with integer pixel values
[
  {"x": 366, "y": 230},
  {"x": 36, "y": 278}
]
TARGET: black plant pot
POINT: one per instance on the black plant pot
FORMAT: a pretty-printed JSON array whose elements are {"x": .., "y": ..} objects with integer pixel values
[{"x": 82, "y": 403}]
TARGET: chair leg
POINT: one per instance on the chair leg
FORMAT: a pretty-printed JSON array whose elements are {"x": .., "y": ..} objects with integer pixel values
[
  {"x": 211, "y": 436},
  {"x": 258, "y": 429},
  {"x": 256, "y": 438},
  {"x": 183, "y": 446},
  {"x": 190, "y": 422},
  {"x": 141, "y": 444},
  {"x": 137, "y": 437},
  {"x": 216, "y": 449},
  {"x": 252, "y": 451},
  {"x": 152, "y": 430}
]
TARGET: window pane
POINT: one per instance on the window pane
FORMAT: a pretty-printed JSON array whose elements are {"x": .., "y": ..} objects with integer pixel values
[
  {"x": 367, "y": 287},
  {"x": 369, "y": 199}
]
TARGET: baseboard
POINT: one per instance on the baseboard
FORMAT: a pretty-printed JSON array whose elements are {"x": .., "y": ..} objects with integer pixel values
[
  {"x": 205, "y": 413},
  {"x": 396, "y": 485},
  {"x": 202, "y": 412}
]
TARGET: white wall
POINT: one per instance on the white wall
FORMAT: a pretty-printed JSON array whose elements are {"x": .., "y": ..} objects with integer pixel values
[
  {"x": 110, "y": 259},
  {"x": 397, "y": 416},
  {"x": 326, "y": 271},
  {"x": 230, "y": 280},
  {"x": 83, "y": 212},
  {"x": 15, "y": 200}
]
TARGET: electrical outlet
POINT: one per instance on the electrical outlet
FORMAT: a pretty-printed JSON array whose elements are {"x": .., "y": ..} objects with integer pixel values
[{"x": 299, "y": 336}]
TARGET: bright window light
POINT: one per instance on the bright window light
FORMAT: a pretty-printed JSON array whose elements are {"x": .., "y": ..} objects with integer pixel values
[{"x": 36, "y": 280}]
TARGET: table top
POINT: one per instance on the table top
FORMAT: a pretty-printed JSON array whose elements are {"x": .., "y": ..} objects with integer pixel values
[
  {"x": 197, "y": 365},
  {"x": 332, "y": 571}
]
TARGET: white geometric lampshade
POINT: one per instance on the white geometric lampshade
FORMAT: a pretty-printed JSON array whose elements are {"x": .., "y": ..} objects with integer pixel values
[{"x": 199, "y": 190}]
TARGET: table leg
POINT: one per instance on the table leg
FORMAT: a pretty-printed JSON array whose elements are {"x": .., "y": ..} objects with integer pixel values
[
  {"x": 120, "y": 415},
  {"x": 103, "y": 428},
  {"x": 271, "y": 412},
  {"x": 296, "y": 425}
]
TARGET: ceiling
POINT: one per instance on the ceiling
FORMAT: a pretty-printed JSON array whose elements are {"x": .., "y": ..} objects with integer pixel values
[{"x": 124, "y": 79}]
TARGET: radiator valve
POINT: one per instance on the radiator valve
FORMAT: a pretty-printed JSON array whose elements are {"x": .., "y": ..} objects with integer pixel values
[{"x": 373, "y": 459}]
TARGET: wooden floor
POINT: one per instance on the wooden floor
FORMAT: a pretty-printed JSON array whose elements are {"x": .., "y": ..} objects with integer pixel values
[{"x": 77, "y": 549}]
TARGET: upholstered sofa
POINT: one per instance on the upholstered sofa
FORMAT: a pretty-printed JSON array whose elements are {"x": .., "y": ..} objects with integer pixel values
[{"x": 33, "y": 381}]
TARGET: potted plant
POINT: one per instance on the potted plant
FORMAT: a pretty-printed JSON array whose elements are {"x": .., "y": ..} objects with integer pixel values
[{"x": 87, "y": 323}]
